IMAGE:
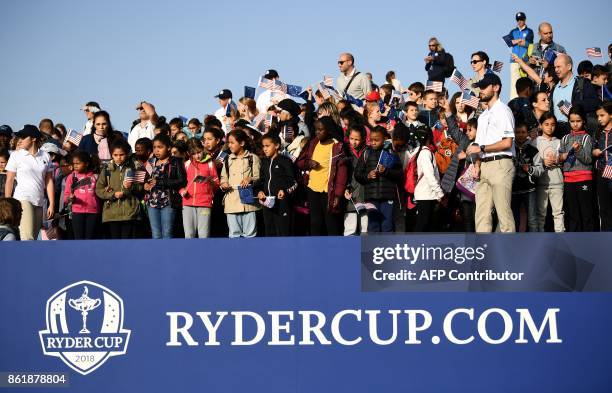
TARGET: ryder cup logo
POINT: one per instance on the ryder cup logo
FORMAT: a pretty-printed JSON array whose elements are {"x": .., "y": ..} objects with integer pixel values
[{"x": 84, "y": 326}]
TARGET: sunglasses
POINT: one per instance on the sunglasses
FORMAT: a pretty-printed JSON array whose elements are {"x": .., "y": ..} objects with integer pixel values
[
  {"x": 476, "y": 61},
  {"x": 340, "y": 62}
]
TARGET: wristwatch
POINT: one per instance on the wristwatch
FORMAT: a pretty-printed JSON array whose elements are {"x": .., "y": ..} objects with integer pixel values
[{"x": 482, "y": 148}]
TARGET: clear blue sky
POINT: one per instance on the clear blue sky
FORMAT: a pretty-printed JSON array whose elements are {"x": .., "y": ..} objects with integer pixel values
[{"x": 56, "y": 55}]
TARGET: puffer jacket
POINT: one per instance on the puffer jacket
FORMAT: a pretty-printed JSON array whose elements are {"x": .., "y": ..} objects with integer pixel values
[
  {"x": 128, "y": 207},
  {"x": 385, "y": 186},
  {"x": 200, "y": 194}
]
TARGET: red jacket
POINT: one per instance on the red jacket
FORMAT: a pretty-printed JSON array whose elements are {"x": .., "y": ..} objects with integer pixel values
[
  {"x": 200, "y": 194},
  {"x": 338, "y": 175}
]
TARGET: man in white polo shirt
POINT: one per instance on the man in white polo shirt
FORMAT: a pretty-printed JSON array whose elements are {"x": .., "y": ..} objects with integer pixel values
[
  {"x": 494, "y": 142},
  {"x": 146, "y": 127}
]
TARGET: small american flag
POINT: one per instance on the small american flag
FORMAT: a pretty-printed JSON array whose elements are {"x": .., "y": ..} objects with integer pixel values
[
  {"x": 323, "y": 91},
  {"x": 279, "y": 86},
  {"x": 136, "y": 176},
  {"x": 497, "y": 66},
  {"x": 328, "y": 80},
  {"x": 265, "y": 83},
  {"x": 607, "y": 172},
  {"x": 565, "y": 107},
  {"x": 435, "y": 86},
  {"x": 594, "y": 52},
  {"x": 460, "y": 80},
  {"x": 469, "y": 99},
  {"x": 139, "y": 176},
  {"x": 74, "y": 137}
]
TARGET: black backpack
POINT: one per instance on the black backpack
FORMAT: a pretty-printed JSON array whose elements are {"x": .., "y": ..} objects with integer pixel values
[{"x": 449, "y": 65}]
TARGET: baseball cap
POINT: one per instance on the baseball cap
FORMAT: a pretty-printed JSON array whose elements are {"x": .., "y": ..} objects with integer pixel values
[
  {"x": 521, "y": 16},
  {"x": 50, "y": 147},
  {"x": 29, "y": 131},
  {"x": 91, "y": 106},
  {"x": 6, "y": 130},
  {"x": 373, "y": 96},
  {"x": 488, "y": 79},
  {"x": 224, "y": 94},
  {"x": 271, "y": 74}
]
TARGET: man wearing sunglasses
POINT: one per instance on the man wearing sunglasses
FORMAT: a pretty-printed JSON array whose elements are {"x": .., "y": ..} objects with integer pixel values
[
  {"x": 145, "y": 128},
  {"x": 350, "y": 80}
]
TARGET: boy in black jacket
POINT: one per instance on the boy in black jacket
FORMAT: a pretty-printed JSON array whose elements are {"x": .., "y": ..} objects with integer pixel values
[
  {"x": 380, "y": 170},
  {"x": 277, "y": 183},
  {"x": 523, "y": 186}
]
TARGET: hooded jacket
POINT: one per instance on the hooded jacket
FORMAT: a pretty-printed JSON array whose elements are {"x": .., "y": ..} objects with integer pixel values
[{"x": 200, "y": 193}]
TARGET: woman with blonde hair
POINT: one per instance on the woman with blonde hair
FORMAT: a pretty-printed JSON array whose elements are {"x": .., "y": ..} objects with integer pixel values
[
  {"x": 329, "y": 109},
  {"x": 437, "y": 61}
]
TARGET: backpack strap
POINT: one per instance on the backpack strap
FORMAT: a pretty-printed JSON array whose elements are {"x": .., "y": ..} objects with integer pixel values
[{"x": 349, "y": 82}]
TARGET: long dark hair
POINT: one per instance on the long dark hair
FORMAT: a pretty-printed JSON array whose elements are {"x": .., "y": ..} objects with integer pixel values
[
  {"x": 107, "y": 118},
  {"x": 241, "y": 136}
]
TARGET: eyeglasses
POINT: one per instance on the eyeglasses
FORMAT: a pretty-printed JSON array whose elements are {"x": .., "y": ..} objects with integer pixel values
[
  {"x": 476, "y": 61},
  {"x": 340, "y": 62}
]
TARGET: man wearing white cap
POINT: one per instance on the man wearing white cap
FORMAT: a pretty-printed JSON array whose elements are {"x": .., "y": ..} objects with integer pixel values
[
  {"x": 90, "y": 109},
  {"x": 146, "y": 127}
]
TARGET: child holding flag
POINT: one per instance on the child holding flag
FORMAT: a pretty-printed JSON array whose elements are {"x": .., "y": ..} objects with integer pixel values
[
  {"x": 121, "y": 206},
  {"x": 198, "y": 194},
  {"x": 603, "y": 165},
  {"x": 356, "y": 216},
  {"x": 80, "y": 193},
  {"x": 380, "y": 171},
  {"x": 576, "y": 154}
]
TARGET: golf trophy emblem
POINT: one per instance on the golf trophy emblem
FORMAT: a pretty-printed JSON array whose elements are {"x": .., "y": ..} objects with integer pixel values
[
  {"x": 98, "y": 313},
  {"x": 84, "y": 304}
]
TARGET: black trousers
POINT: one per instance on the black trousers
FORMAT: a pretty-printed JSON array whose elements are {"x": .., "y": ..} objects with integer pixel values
[
  {"x": 578, "y": 206},
  {"x": 122, "y": 229},
  {"x": 468, "y": 212},
  {"x": 84, "y": 225},
  {"x": 277, "y": 220},
  {"x": 321, "y": 221},
  {"x": 424, "y": 215},
  {"x": 604, "y": 200}
]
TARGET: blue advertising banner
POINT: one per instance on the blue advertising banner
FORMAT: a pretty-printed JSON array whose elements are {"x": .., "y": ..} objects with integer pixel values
[{"x": 299, "y": 315}]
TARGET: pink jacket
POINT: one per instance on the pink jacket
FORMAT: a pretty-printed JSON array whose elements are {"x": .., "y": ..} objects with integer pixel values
[
  {"x": 85, "y": 199},
  {"x": 200, "y": 194}
]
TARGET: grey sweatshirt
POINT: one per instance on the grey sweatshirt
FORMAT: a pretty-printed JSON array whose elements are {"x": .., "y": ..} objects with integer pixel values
[{"x": 548, "y": 177}]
